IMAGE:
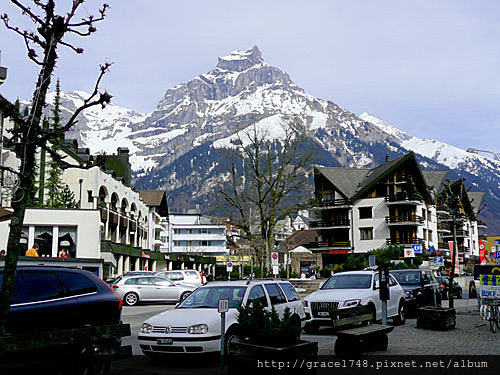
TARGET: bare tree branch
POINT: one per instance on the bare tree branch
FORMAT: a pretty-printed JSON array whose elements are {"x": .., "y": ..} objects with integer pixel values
[{"x": 28, "y": 11}]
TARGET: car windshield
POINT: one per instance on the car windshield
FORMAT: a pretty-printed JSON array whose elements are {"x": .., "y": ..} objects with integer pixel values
[
  {"x": 407, "y": 278},
  {"x": 349, "y": 281},
  {"x": 208, "y": 297}
]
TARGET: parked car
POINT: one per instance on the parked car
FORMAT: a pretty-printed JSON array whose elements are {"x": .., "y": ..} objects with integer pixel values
[
  {"x": 138, "y": 273},
  {"x": 52, "y": 298},
  {"x": 194, "y": 325},
  {"x": 420, "y": 286},
  {"x": 184, "y": 276},
  {"x": 135, "y": 289},
  {"x": 350, "y": 289},
  {"x": 444, "y": 285}
]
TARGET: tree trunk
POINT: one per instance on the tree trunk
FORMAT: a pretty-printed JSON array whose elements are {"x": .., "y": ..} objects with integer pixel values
[{"x": 26, "y": 153}]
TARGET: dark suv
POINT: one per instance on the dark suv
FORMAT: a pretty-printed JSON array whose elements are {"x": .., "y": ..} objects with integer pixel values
[
  {"x": 420, "y": 286},
  {"x": 49, "y": 298}
]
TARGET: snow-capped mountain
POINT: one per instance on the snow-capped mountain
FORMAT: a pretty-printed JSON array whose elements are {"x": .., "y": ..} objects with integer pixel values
[{"x": 180, "y": 146}]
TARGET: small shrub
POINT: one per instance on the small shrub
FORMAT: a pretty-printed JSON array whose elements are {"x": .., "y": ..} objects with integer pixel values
[{"x": 261, "y": 327}]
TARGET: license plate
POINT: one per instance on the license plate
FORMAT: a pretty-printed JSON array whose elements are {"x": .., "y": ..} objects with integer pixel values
[
  {"x": 323, "y": 313},
  {"x": 164, "y": 341}
]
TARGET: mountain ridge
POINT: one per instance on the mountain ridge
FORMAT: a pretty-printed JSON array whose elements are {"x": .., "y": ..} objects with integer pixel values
[{"x": 176, "y": 146}]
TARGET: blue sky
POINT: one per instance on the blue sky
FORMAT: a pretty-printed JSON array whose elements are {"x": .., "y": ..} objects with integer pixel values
[{"x": 431, "y": 68}]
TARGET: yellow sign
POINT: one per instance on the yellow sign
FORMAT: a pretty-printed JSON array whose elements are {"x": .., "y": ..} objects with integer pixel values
[
  {"x": 493, "y": 280},
  {"x": 233, "y": 258}
]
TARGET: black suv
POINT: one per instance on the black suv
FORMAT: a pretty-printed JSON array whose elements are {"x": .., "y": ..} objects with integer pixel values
[
  {"x": 420, "y": 286},
  {"x": 49, "y": 298}
]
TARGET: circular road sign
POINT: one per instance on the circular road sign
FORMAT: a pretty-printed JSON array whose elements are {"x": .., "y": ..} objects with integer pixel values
[{"x": 275, "y": 256}]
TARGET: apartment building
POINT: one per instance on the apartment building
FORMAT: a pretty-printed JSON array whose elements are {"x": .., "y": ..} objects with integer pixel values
[
  {"x": 195, "y": 234},
  {"x": 359, "y": 210}
]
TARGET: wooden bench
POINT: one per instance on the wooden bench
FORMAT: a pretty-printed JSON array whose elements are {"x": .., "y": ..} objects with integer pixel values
[{"x": 365, "y": 336}]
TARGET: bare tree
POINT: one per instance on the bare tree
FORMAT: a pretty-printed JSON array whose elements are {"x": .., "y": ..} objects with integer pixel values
[
  {"x": 28, "y": 135},
  {"x": 266, "y": 178}
]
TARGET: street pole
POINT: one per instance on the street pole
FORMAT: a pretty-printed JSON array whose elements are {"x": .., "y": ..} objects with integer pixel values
[{"x": 453, "y": 260}]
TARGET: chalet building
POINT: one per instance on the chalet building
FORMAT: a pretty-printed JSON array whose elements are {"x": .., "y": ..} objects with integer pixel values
[{"x": 359, "y": 210}]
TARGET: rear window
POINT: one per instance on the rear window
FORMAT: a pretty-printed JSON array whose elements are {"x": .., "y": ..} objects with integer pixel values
[
  {"x": 37, "y": 286},
  {"x": 290, "y": 292},
  {"x": 76, "y": 283},
  {"x": 275, "y": 294}
]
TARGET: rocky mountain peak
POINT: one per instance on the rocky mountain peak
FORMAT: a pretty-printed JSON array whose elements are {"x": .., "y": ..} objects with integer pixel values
[{"x": 239, "y": 61}]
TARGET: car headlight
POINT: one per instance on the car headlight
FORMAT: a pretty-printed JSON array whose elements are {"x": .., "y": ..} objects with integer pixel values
[
  {"x": 409, "y": 294},
  {"x": 146, "y": 328},
  {"x": 351, "y": 302},
  {"x": 198, "y": 329},
  {"x": 305, "y": 303}
]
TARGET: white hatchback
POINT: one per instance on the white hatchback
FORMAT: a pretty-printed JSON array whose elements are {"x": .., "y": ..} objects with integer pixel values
[
  {"x": 350, "y": 289},
  {"x": 194, "y": 325}
]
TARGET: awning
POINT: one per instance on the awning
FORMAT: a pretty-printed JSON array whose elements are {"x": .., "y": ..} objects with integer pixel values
[{"x": 5, "y": 214}]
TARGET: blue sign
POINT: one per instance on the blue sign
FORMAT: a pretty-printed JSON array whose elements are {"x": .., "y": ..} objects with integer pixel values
[
  {"x": 438, "y": 261},
  {"x": 417, "y": 249},
  {"x": 497, "y": 242}
]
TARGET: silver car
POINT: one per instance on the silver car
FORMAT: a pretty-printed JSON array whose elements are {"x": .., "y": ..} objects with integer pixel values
[{"x": 135, "y": 289}]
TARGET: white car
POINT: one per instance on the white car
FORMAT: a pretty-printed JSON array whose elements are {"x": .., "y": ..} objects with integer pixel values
[
  {"x": 193, "y": 277},
  {"x": 350, "y": 289},
  {"x": 194, "y": 325}
]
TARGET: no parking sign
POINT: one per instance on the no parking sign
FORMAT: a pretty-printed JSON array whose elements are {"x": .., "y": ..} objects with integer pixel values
[
  {"x": 229, "y": 266},
  {"x": 274, "y": 258}
]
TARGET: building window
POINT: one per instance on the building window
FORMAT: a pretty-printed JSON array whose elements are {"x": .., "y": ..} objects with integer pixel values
[
  {"x": 430, "y": 236},
  {"x": 90, "y": 198},
  {"x": 366, "y": 233},
  {"x": 425, "y": 234},
  {"x": 424, "y": 213},
  {"x": 204, "y": 230},
  {"x": 429, "y": 216},
  {"x": 365, "y": 213},
  {"x": 204, "y": 243}
]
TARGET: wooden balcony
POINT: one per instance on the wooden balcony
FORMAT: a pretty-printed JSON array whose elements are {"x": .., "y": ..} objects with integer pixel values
[
  {"x": 404, "y": 220},
  {"x": 405, "y": 241},
  {"x": 461, "y": 233},
  {"x": 322, "y": 224},
  {"x": 332, "y": 203},
  {"x": 404, "y": 198}
]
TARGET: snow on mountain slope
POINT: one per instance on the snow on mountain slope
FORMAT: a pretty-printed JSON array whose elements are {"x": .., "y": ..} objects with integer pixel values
[{"x": 443, "y": 153}]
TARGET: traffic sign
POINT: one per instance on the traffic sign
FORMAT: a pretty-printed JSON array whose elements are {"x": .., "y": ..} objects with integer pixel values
[
  {"x": 229, "y": 266},
  {"x": 409, "y": 253},
  {"x": 223, "y": 305},
  {"x": 276, "y": 270},
  {"x": 417, "y": 249},
  {"x": 438, "y": 261},
  {"x": 274, "y": 258}
]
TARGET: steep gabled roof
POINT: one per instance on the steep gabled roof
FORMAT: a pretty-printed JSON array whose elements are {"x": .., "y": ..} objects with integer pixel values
[
  {"x": 378, "y": 174},
  {"x": 346, "y": 180},
  {"x": 435, "y": 179},
  {"x": 155, "y": 198},
  {"x": 475, "y": 198}
]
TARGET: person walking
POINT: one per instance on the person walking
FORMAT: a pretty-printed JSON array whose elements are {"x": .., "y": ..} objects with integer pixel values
[{"x": 33, "y": 252}]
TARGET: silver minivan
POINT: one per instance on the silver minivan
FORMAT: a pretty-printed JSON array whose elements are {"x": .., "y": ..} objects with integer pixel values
[{"x": 135, "y": 289}]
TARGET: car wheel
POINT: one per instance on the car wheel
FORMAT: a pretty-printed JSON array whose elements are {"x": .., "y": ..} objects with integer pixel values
[
  {"x": 131, "y": 299},
  {"x": 311, "y": 328},
  {"x": 373, "y": 313},
  {"x": 184, "y": 296},
  {"x": 230, "y": 336},
  {"x": 401, "y": 317}
]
